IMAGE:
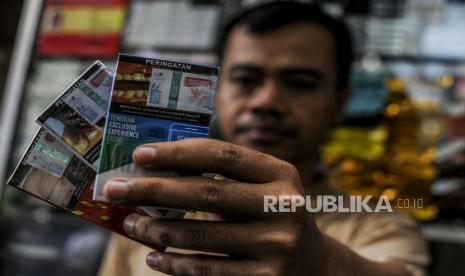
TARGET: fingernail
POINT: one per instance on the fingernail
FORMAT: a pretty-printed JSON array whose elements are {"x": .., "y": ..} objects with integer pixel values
[
  {"x": 116, "y": 189},
  {"x": 153, "y": 260},
  {"x": 129, "y": 223},
  {"x": 144, "y": 155}
]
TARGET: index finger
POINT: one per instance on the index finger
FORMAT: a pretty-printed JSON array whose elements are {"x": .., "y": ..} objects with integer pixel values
[{"x": 202, "y": 155}]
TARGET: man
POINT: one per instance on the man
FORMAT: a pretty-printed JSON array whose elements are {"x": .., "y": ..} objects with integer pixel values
[{"x": 283, "y": 83}]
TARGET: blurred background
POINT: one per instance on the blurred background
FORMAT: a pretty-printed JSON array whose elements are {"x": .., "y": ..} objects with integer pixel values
[{"x": 403, "y": 135}]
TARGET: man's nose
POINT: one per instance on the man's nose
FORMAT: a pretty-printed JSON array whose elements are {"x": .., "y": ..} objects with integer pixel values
[{"x": 268, "y": 97}]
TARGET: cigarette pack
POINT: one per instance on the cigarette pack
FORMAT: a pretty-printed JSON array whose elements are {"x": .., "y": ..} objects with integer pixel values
[
  {"x": 49, "y": 171},
  {"x": 153, "y": 101},
  {"x": 77, "y": 116}
]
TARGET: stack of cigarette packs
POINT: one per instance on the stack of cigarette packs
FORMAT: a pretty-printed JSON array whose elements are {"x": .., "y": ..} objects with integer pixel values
[{"x": 87, "y": 135}]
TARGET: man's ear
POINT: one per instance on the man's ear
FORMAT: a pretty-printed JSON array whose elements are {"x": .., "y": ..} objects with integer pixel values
[{"x": 342, "y": 97}]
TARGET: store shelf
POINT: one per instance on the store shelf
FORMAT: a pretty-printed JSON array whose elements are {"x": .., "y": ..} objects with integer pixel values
[
  {"x": 179, "y": 50},
  {"x": 417, "y": 59},
  {"x": 447, "y": 233},
  {"x": 423, "y": 59}
]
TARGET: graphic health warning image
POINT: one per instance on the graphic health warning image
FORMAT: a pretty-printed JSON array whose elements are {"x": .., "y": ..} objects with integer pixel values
[
  {"x": 37, "y": 174},
  {"x": 153, "y": 101},
  {"x": 77, "y": 117}
]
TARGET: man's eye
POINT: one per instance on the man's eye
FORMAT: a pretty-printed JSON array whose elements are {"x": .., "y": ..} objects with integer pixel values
[
  {"x": 245, "y": 81},
  {"x": 301, "y": 84}
]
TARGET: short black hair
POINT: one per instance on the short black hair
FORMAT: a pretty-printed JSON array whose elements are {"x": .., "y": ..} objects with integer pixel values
[{"x": 270, "y": 16}]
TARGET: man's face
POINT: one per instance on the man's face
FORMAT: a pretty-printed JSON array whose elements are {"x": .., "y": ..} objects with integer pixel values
[{"x": 278, "y": 91}]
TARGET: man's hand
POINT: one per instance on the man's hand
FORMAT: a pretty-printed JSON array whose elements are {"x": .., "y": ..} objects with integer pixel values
[
  {"x": 251, "y": 241},
  {"x": 248, "y": 241}
]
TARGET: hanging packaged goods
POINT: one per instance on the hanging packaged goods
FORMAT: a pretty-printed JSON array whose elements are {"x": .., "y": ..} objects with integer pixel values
[{"x": 83, "y": 28}]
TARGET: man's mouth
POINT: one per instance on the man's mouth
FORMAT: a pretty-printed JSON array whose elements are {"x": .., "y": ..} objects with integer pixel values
[{"x": 265, "y": 135}]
